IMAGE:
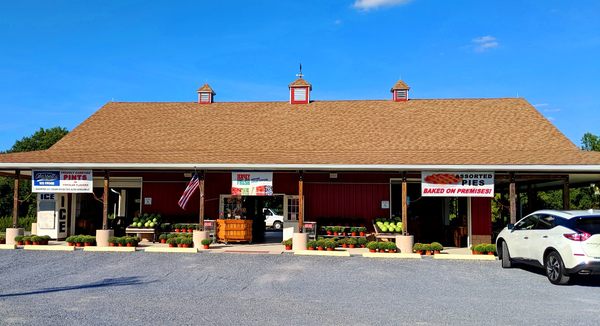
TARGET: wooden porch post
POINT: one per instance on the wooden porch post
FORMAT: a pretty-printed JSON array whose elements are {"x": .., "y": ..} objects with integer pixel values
[
  {"x": 201, "y": 188},
  {"x": 404, "y": 206},
  {"x": 16, "y": 200},
  {"x": 105, "y": 203},
  {"x": 512, "y": 194},
  {"x": 566, "y": 194},
  {"x": 300, "y": 202}
]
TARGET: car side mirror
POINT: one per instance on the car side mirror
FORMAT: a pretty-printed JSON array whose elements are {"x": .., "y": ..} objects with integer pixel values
[{"x": 510, "y": 226}]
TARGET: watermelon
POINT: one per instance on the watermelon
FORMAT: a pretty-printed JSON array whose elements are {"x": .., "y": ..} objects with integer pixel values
[{"x": 384, "y": 229}]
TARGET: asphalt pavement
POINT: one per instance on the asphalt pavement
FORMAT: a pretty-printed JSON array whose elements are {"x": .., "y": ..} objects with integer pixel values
[{"x": 88, "y": 288}]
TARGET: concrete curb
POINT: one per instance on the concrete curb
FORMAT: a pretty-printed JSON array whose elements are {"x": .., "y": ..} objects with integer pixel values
[
  {"x": 7, "y": 247},
  {"x": 464, "y": 257},
  {"x": 396, "y": 255},
  {"x": 109, "y": 249},
  {"x": 336, "y": 253},
  {"x": 172, "y": 250},
  {"x": 49, "y": 248}
]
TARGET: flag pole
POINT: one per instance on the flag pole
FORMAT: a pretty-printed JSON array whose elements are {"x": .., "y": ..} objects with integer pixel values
[{"x": 201, "y": 191}]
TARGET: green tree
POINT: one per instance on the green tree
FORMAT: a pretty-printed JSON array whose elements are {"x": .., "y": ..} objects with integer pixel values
[
  {"x": 590, "y": 142},
  {"x": 40, "y": 140}
]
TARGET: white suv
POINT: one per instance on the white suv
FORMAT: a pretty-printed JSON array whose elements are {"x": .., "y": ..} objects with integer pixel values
[
  {"x": 272, "y": 219},
  {"x": 563, "y": 242}
]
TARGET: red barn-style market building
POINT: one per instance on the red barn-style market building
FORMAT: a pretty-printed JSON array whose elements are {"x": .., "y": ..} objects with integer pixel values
[{"x": 436, "y": 163}]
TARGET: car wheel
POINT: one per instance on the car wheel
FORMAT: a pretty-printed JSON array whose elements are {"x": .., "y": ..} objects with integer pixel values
[
  {"x": 555, "y": 269},
  {"x": 506, "y": 261},
  {"x": 277, "y": 225}
]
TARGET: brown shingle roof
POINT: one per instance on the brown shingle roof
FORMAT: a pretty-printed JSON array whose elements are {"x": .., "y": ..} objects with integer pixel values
[
  {"x": 400, "y": 85},
  {"x": 300, "y": 82},
  {"x": 453, "y": 131}
]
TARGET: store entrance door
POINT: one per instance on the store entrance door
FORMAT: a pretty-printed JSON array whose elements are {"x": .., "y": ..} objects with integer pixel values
[{"x": 266, "y": 212}]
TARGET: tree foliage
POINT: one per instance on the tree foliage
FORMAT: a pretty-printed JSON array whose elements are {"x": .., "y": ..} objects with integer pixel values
[
  {"x": 590, "y": 142},
  {"x": 40, "y": 140}
]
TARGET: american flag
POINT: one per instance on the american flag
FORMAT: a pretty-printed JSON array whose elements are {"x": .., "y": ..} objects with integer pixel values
[{"x": 189, "y": 191}]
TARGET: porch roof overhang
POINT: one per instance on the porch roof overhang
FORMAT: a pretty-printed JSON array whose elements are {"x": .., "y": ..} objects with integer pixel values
[{"x": 548, "y": 168}]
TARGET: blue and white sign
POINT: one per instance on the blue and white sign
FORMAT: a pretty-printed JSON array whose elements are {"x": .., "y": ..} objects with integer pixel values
[{"x": 65, "y": 181}]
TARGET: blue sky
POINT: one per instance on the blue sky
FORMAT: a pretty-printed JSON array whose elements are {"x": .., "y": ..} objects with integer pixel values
[{"x": 62, "y": 60}]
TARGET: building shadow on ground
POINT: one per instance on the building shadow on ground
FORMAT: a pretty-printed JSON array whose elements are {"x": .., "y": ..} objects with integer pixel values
[{"x": 107, "y": 282}]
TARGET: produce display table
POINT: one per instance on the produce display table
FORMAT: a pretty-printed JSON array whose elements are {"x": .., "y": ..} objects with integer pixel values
[
  {"x": 139, "y": 231},
  {"x": 234, "y": 231}
]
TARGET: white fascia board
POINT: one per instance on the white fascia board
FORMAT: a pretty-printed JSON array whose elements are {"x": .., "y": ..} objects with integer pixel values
[{"x": 306, "y": 167}]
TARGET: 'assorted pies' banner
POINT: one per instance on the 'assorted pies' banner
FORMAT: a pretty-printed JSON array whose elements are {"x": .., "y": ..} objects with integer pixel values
[{"x": 457, "y": 184}]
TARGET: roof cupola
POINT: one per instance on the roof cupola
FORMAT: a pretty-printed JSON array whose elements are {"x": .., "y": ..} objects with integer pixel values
[
  {"x": 206, "y": 94},
  {"x": 300, "y": 90},
  {"x": 400, "y": 91}
]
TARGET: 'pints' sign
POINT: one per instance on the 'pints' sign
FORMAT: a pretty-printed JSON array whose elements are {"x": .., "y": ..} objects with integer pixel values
[
  {"x": 69, "y": 181},
  {"x": 457, "y": 184}
]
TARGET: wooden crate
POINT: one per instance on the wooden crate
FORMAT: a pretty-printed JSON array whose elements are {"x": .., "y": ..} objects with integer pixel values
[{"x": 234, "y": 230}]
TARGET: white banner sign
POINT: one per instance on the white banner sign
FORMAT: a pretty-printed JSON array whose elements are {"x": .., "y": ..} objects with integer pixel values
[
  {"x": 457, "y": 184},
  {"x": 68, "y": 181},
  {"x": 252, "y": 183}
]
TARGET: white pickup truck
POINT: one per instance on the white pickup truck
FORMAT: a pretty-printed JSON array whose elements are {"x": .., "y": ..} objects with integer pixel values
[{"x": 272, "y": 219}]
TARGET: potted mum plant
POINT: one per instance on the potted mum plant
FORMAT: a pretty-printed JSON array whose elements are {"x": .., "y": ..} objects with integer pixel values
[
  {"x": 27, "y": 240},
  {"x": 311, "y": 245},
  {"x": 19, "y": 240},
  {"x": 329, "y": 230},
  {"x": 88, "y": 240},
  {"x": 353, "y": 231},
  {"x": 206, "y": 243},
  {"x": 372, "y": 246},
  {"x": 436, "y": 247},
  {"x": 320, "y": 244},
  {"x": 427, "y": 249},
  {"x": 330, "y": 245},
  {"x": 35, "y": 240},
  {"x": 362, "y": 242},
  {"x": 418, "y": 248},
  {"x": 391, "y": 247},
  {"x": 162, "y": 238},
  {"x": 186, "y": 242},
  {"x": 362, "y": 230},
  {"x": 343, "y": 242},
  {"x": 352, "y": 242},
  {"x": 172, "y": 242},
  {"x": 287, "y": 243}
]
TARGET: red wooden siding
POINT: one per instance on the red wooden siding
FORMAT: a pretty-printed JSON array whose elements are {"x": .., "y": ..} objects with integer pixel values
[
  {"x": 481, "y": 216},
  {"x": 352, "y": 202}
]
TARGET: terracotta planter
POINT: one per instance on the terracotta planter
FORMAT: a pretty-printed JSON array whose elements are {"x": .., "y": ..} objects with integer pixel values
[
  {"x": 352, "y": 246},
  {"x": 311, "y": 248},
  {"x": 163, "y": 240},
  {"x": 120, "y": 245},
  {"x": 372, "y": 250},
  {"x": 87, "y": 244},
  {"x": 110, "y": 244},
  {"x": 436, "y": 252},
  {"x": 353, "y": 234},
  {"x": 320, "y": 248},
  {"x": 288, "y": 247},
  {"x": 329, "y": 249},
  {"x": 176, "y": 230},
  {"x": 78, "y": 244},
  {"x": 130, "y": 245},
  {"x": 206, "y": 246},
  {"x": 362, "y": 246},
  {"x": 344, "y": 245},
  {"x": 28, "y": 243},
  {"x": 172, "y": 245},
  {"x": 190, "y": 230},
  {"x": 391, "y": 251},
  {"x": 427, "y": 252},
  {"x": 20, "y": 243},
  {"x": 185, "y": 245},
  {"x": 420, "y": 252},
  {"x": 328, "y": 232},
  {"x": 362, "y": 234},
  {"x": 490, "y": 253},
  {"x": 35, "y": 243}
]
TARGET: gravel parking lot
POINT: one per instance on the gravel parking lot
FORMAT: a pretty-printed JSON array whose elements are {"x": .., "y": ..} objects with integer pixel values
[{"x": 225, "y": 289}]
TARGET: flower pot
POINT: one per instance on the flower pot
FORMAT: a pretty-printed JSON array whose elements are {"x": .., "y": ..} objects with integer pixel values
[
  {"x": 491, "y": 253},
  {"x": 185, "y": 245},
  {"x": 352, "y": 246},
  {"x": 176, "y": 230},
  {"x": 87, "y": 244},
  {"x": 110, "y": 244},
  {"x": 353, "y": 234},
  {"x": 190, "y": 230},
  {"x": 362, "y": 234},
  {"x": 329, "y": 249},
  {"x": 391, "y": 251},
  {"x": 206, "y": 246},
  {"x": 362, "y": 246},
  {"x": 436, "y": 252},
  {"x": 420, "y": 252},
  {"x": 427, "y": 252},
  {"x": 328, "y": 232},
  {"x": 120, "y": 245},
  {"x": 344, "y": 245},
  {"x": 172, "y": 245},
  {"x": 36, "y": 243},
  {"x": 288, "y": 247},
  {"x": 130, "y": 245},
  {"x": 20, "y": 243},
  {"x": 163, "y": 240},
  {"x": 28, "y": 243},
  {"x": 320, "y": 248},
  {"x": 311, "y": 248},
  {"x": 78, "y": 244},
  {"x": 372, "y": 250}
]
